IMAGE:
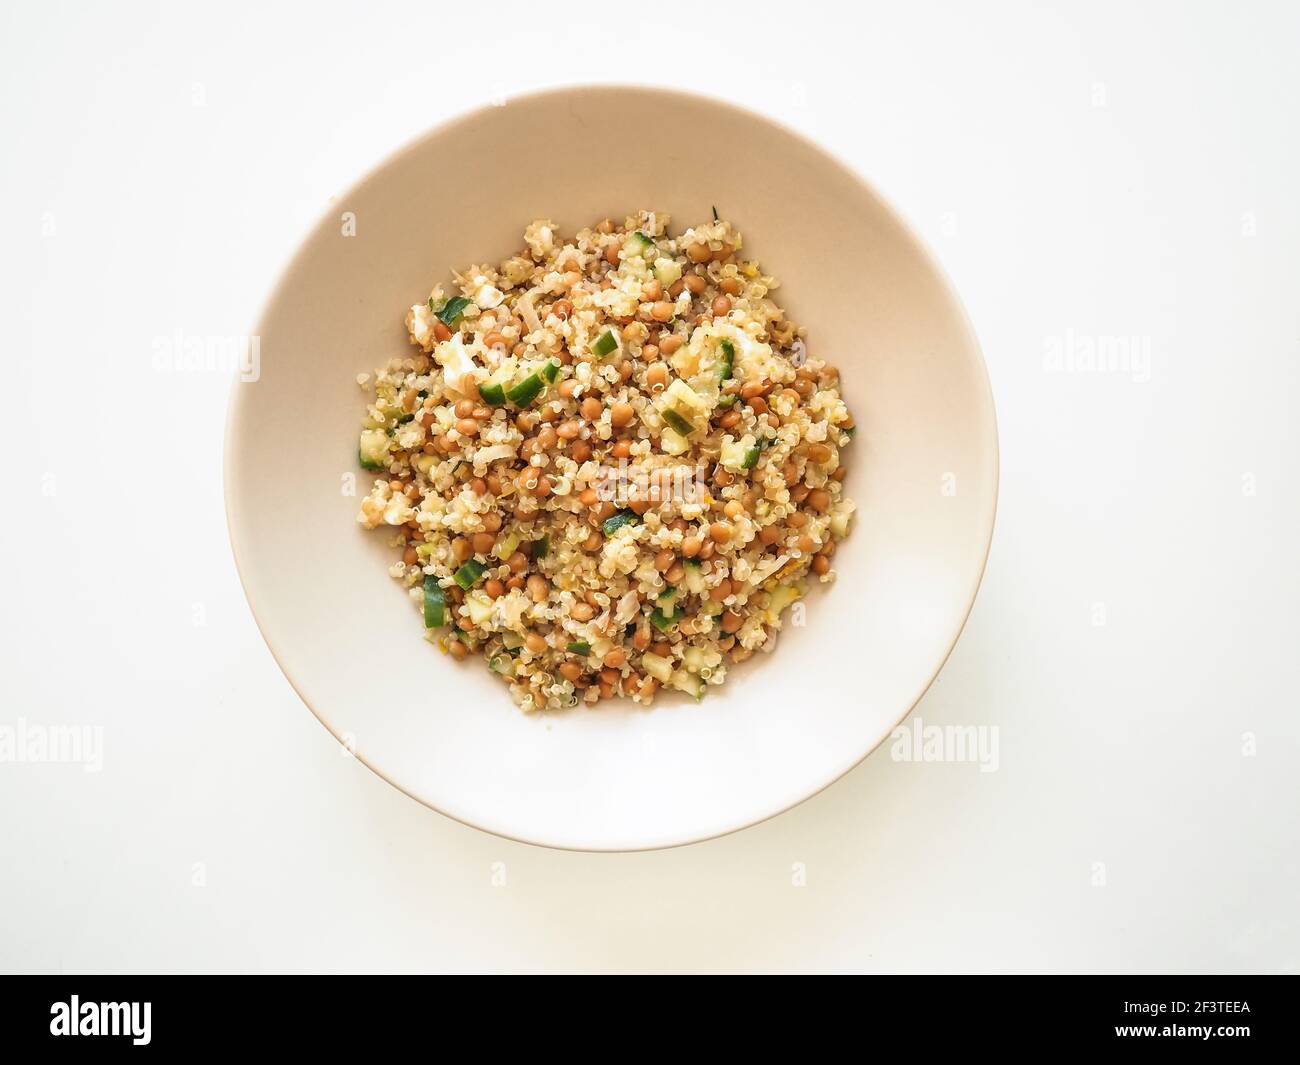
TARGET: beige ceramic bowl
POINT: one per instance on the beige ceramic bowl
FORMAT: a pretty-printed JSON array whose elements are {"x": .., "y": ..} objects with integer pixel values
[{"x": 923, "y": 470}]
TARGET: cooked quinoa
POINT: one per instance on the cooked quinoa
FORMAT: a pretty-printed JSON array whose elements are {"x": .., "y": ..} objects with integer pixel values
[{"x": 612, "y": 463}]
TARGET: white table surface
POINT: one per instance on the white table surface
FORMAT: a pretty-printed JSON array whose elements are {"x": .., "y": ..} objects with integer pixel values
[{"x": 1084, "y": 172}]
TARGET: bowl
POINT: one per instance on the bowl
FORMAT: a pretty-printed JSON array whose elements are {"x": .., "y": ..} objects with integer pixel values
[{"x": 923, "y": 470}]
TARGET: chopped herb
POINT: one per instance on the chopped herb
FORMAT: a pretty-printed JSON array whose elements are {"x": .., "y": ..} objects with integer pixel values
[
  {"x": 715, "y": 214},
  {"x": 580, "y": 647},
  {"x": 452, "y": 310},
  {"x": 617, "y": 521},
  {"x": 542, "y": 547}
]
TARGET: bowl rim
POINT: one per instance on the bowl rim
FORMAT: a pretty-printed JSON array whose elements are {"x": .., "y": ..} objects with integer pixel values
[{"x": 289, "y": 267}]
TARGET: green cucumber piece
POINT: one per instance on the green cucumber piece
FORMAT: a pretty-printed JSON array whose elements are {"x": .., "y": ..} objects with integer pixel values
[
  {"x": 667, "y": 600},
  {"x": 605, "y": 344},
  {"x": 727, "y": 362},
  {"x": 751, "y": 457},
  {"x": 372, "y": 449},
  {"x": 469, "y": 574},
  {"x": 580, "y": 647},
  {"x": 435, "y": 603},
  {"x": 661, "y": 621},
  {"x": 503, "y": 664},
  {"x": 677, "y": 422},
  {"x": 493, "y": 394},
  {"x": 551, "y": 371},
  {"x": 525, "y": 391},
  {"x": 638, "y": 244},
  {"x": 694, "y": 578}
]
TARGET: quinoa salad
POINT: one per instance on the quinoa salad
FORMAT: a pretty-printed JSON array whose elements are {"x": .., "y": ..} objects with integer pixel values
[{"x": 611, "y": 465}]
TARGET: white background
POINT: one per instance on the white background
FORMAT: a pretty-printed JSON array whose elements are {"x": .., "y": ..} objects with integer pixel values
[{"x": 1082, "y": 171}]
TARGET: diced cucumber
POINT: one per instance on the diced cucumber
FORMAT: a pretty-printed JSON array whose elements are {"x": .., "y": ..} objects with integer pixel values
[
  {"x": 782, "y": 596},
  {"x": 493, "y": 390},
  {"x": 551, "y": 370},
  {"x": 580, "y": 647},
  {"x": 425, "y": 549},
  {"x": 691, "y": 684},
  {"x": 661, "y": 621},
  {"x": 740, "y": 454},
  {"x": 678, "y": 422},
  {"x": 435, "y": 603},
  {"x": 658, "y": 667},
  {"x": 727, "y": 399},
  {"x": 673, "y": 442},
  {"x": 506, "y": 546},
  {"x": 638, "y": 244},
  {"x": 732, "y": 454},
  {"x": 503, "y": 664},
  {"x": 469, "y": 574},
  {"x": 694, "y": 578},
  {"x": 480, "y": 607},
  {"x": 667, "y": 272},
  {"x": 693, "y": 659},
  {"x": 526, "y": 390},
  {"x": 667, "y": 600},
  {"x": 727, "y": 360},
  {"x": 605, "y": 344},
  {"x": 683, "y": 396},
  {"x": 512, "y": 640},
  {"x": 372, "y": 449},
  {"x": 616, "y": 521}
]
